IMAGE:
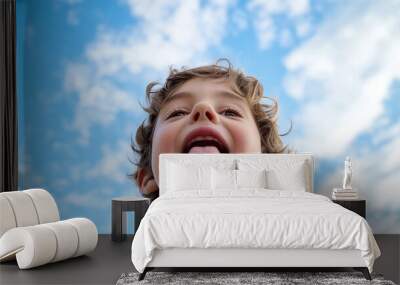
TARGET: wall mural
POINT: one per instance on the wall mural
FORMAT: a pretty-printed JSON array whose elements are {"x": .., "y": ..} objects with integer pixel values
[{"x": 83, "y": 66}]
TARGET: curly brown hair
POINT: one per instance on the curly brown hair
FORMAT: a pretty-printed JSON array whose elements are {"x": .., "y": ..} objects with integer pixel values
[{"x": 265, "y": 115}]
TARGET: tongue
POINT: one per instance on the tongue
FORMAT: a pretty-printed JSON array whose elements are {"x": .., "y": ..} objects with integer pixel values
[{"x": 204, "y": 149}]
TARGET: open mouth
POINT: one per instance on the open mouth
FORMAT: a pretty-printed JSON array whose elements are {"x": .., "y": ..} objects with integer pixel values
[{"x": 205, "y": 140}]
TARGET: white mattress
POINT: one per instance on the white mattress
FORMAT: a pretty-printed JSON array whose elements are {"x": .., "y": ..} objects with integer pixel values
[{"x": 253, "y": 218}]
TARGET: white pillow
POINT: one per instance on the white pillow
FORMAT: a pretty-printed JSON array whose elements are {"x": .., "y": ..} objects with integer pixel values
[
  {"x": 252, "y": 178},
  {"x": 227, "y": 179},
  {"x": 282, "y": 173},
  {"x": 181, "y": 177},
  {"x": 224, "y": 179},
  {"x": 293, "y": 179}
]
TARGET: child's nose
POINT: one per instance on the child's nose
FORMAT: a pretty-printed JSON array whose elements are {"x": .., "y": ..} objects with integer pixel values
[{"x": 204, "y": 111}]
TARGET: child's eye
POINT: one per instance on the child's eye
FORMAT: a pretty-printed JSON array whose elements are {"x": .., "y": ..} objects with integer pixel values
[
  {"x": 229, "y": 112},
  {"x": 177, "y": 113}
]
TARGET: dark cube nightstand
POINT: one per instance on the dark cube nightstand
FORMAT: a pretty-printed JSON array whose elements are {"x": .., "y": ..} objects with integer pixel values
[
  {"x": 120, "y": 206},
  {"x": 357, "y": 206}
]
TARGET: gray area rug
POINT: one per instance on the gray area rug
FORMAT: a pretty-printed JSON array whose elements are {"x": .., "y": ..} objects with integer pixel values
[{"x": 226, "y": 278}]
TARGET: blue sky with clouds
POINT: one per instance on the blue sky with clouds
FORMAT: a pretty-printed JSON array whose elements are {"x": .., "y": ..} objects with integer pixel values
[{"x": 83, "y": 66}]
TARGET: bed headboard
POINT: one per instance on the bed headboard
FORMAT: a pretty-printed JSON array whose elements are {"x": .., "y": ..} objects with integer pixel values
[{"x": 235, "y": 161}]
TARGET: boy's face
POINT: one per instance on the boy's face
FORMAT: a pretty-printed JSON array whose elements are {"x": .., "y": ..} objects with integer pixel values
[{"x": 204, "y": 116}]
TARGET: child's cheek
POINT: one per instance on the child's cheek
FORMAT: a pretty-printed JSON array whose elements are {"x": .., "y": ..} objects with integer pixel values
[
  {"x": 246, "y": 139},
  {"x": 164, "y": 141}
]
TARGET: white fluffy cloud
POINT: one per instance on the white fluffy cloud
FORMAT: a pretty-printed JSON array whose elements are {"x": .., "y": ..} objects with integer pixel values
[
  {"x": 341, "y": 76},
  {"x": 114, "y": 164},
  {"x": 99, "y": 198},
  {"x": 266, "y": 24},
  {"x": 165, "y": 33},
  {"x": 99, "y": 101}
]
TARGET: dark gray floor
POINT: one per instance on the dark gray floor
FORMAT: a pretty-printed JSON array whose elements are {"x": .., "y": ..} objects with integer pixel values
[
  {"x": 111, "y": 259},
  {"x": 389, "y": 262}
]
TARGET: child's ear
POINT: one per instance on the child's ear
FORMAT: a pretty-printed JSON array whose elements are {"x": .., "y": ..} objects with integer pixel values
[{"x": 146, "y": 182}]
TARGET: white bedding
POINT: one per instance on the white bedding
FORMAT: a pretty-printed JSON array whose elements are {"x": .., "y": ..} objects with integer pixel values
[{"x": 252, "y": 218}]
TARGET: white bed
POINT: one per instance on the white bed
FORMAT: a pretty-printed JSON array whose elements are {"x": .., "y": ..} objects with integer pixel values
[{"x": 197, "y": 224}]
